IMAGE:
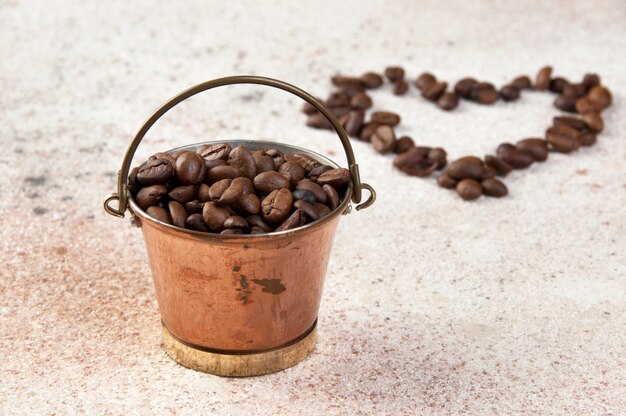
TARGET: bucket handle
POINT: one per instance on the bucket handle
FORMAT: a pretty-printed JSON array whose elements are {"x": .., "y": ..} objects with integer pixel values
[{"x": 121, "y": 195}]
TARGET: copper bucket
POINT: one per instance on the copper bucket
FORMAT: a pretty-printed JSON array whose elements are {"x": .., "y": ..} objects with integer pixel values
[{"x": 239, "y": 305}]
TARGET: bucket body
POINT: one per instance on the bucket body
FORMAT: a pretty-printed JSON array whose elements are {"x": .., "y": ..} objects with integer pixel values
[{"x": 240, "y": 294}]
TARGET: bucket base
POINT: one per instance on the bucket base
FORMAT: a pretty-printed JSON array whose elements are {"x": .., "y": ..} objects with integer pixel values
[{"x": 240, "y": 364}]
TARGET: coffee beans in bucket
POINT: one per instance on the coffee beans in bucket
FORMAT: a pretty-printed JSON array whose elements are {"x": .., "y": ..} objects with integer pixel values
[
  {"x": 225, "y": 190},
  {"x": 470, "y": 176}
]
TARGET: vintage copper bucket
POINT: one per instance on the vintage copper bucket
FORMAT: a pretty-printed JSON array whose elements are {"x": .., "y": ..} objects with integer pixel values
[{"x": 239, "y": 305}]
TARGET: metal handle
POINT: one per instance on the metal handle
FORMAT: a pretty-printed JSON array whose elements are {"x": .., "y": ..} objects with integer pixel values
[{"x": 122, "y": 175}]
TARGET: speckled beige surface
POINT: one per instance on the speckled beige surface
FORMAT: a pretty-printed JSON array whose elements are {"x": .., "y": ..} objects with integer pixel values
[{"x": 432, "y": 305}]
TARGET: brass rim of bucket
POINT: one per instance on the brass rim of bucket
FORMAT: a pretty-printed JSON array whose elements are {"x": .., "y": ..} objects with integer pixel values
[{"x": 134, "y": 208}]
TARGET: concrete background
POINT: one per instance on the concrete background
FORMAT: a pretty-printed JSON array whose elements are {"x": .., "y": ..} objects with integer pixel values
[{"x": 431, "y": 305}]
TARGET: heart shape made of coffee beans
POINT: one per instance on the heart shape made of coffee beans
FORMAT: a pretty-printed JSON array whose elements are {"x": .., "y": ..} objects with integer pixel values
[{"x": 470, "y": 176}]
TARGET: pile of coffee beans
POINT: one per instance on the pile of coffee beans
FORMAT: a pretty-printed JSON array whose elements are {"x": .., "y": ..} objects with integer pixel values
[
  {"x": 224, "y": 190},
  {"x": 469, "y": 175}
]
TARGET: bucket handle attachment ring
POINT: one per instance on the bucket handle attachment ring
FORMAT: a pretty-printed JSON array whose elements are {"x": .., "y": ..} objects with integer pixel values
[{"x": 122, "y": 190}]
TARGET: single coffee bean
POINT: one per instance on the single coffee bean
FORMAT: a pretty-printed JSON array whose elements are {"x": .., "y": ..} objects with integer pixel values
[
  {"x": 275, "y": 154},
  {"x": 394, "y": 73},
  {"x": 150, "y": 195},
  {"x": 400, "y": 87},
  {"x": 361, "y": 101},
  {"x": 267, "y": 182},
  {"x": 204, "y": 191},
  {"x": 257, "y": 230},
  {"x": 536, "y": 147},
  {"x": 522, "y": 82},
  {"x": 338, "y": 178},
  {"x": 307, "y": 162},
  {"x": 587, "y": 139},
  {"x": 542, "y": 81},
  {"x": 241, "y": 158},
  {"x": 190, "y": 168},
  {"x": 322, "y": 209},
  {"x": 565, "y": 103},
  {"x": 133, "y": 184},
  {"x": 308, "y": 209},
  {"x": 423, "y": 168},
  {"x": 464, "y": 87},
  {"x": 183, "y": 194},
  {"x": 585, "y": 105},
  {"x": 257, "y": 221},
  {"x": 601, "y": 95},
  {"x": 574, "y": 90},
  {"x": 466, "y": 167},
  {"x": 352, "y": 122},
  {"x": 304, "y": 195},
  {"x": 425, "y": 80},
  {"x": 518, "y": 159},
  {"x": 277, "y": 205},
  {"x": 414, "y": 156},
  {"x": 352, "y": 89},
  {"x": 295, "y": 220},
  {"x": 437, "y": 154},
  {"x": 434, "y": 91},
  {"x": 469, "y": 189},
  {"x": 385, "y": 117},
  {"x": 215, "y": 191},
  {"x": 591, "y": 80},
  {"x": 346, "y": 81},
  {"x": 237, "y": 188},
  {"x": 164, "y": 155},
  {"x": 403, "y": 144},
  {"x": 509, "y": 93},
  {"x": 215, "y": 151},
  {"x": 294, "y": 170},
  {"x": 488, "y": 172},
  {"x": 194, "y": 207},
  {"x": 368, "y": 130},
  {"x": 484, "y": 93},
  {"x": 501, "y": 167},
  {"x": 210, "y": 164},
  {"x": 222, "y": 172},
  {"x": 576, "y": 123},
  {"x": 558, "y": 85},
  {"x": 338, "y": 99},
  {"x": 448, "y": 101},
  {"x": 314, "y": 188},
  {"x": 249, "y": 203},
  {"x": 160, "y": 214},
  {"x": 594, "y": 121},
  {"x": 562, "y": 143},
  {"x": 232, "y": 231},
  {"x": 383, "y": 140},
  {"x": 316, "y": 172},
  {"x": 318, "y": 121},
  {"x": 178, "y": 214},
  {"x": 446, "y": 181},
  {"x": 214, "y": 216},
  {"x": 155, "y": 172},
  {"x": 332, "y": 197},
  {"x": 371, "y": 80},
  {"x": 196, "y": 222},
  {"x": 494, "y": 187},
  {"x": 235, "y": 221},
  {"x": 565, "y": 130},
  {"x": 263, "y": 163}
]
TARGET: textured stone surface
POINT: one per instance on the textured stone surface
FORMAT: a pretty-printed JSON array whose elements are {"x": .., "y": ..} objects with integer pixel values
[{"x": 432, "y": 305}]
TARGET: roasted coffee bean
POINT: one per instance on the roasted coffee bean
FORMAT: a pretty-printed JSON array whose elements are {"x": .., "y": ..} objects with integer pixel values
[
  {"x": 318, "y": 121},
  {"x": 340, "y": 111},
  {"x": 338, "y": 99},
  {"x": 565, "y": 130},
  {"x": 194, "y": 207},
  {"x": 133, "y": 185},
  {"x": 538, "y": 148},
  {"x": 275, "y": 154},
  {"x": 593, "y": 121},
  {"x": 210, "y": 164},
  {"x": 522, "y": 82},
  {"x": 591, "y": 80},
  {"x": 425, "y": 80},
  {"x": 308, "y": 108},
  {"x": 383, "y": 140},
  {"x": 204, "y": 191},
  {"x": 257, "y": 230},
  {"x": 400, "y": 87},
  {"x": 332, "y": 197},
  {"x": 214, "y": 216},
  {"x": 488, "y": 172},
  {"x": 464, "y": 87},
  {"x": 257, "y": 221},
  {"x": 215, "y": 151},
  {"x": 423, "y": 168},
  {"x": 160, "y": 214},
  {"x": 150, "y": 195},
  {"x": 484, "y": 93},
  {"x": 352, "y": 89},
  {"x": 565, "y": 103},
  {"x": 267, "y": 182},
  {"x": 297, "y": 219},
  {"x": 338, "y": 178},
  {"x": 178, "y": 214},
  {"x": 314, "y": 188},
  {"x": 304, "y": 195},
  {"x": 183, "y": 194},
  {"x": 448, "y": 101},
  {"x": 413, "y": 156},
  {"x": 263, "y": 163},
  {"x": 509, "y": 93},
  {"x": 469, "y": 189},
  {"x": 277, "y": 205},
  {"x": 437, "y": 154},
  {"x": 322, "y": 209},
  {"x": 385, "y": 117},
  {"x": 235, "y": 221},
  {"x": 222, "y": 172},
  {"x": 501, "y": 167},
  {"x": 368, "y": 130},
  {"x": 446, "y": 181},
  {"x": 542, "y": 81},
  {"x": 303, "y": 160},
  {"x": 434, "y": 91},
  {"x": 361, "y": 101},
  {"x": 518, "y": 159},
  {"x": 494, "y": 187},
  {"x": 394, "y": 73},
  {"x": 237, "y": 188},
  {"x": 352, "y": 122},
  {"x": 563, "y": 138},
  {"x": 371, "y": 80},
  {"x": 585, "y": 105},
  {"x": 575, "y": 90},
  {"x": 587, "y": 139},
  {"x": 316, "y": 172},
  {"x": 155, "y": 172},
  {"x": 215, "y": 191},
  {"x": 403, "y": 144},
  {"x": 466, "y": 167},
  {"x": 576, "y": 123},
  {"x": 232, "y": 231},
  {"x": 164, "y": 155},
  {"x": 558, "y": 85},
  {"x": 346, "y": 81},
  {"x": 293, "y": 171},
  {"x": 309, "y": 210},
  {"x": 196, "y": 222},
  {"x": 249, "y": 203},
  {"x": 601, "y": 95},
  {"x": 241, "y": 158},
  {"x": 190, "y": 168}
]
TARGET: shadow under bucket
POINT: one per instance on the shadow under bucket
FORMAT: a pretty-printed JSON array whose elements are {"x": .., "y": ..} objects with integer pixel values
[{"x": 239, "y": 305}]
